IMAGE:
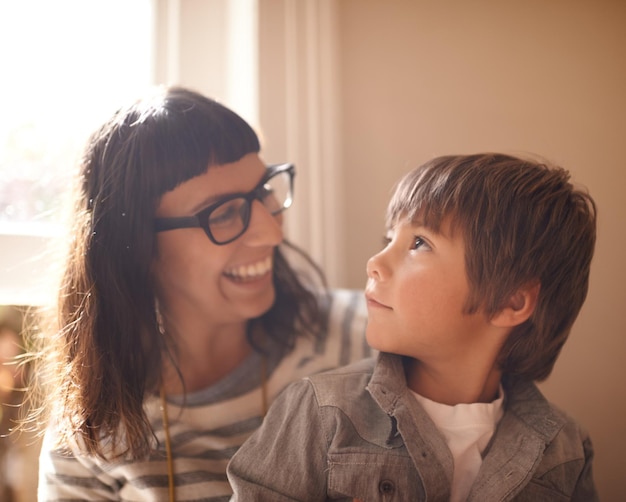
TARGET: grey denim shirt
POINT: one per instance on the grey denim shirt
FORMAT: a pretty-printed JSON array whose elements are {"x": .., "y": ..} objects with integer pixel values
[{"x": 358, "y": 433}]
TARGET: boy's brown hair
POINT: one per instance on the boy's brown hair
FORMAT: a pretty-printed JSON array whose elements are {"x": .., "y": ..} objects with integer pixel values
[{"x": 523, "y": 222}]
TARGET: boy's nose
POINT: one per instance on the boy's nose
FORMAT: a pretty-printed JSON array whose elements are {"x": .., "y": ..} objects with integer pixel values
[
  {"x": 376, "y": 268},
  {"x": 264, "y": 229}
]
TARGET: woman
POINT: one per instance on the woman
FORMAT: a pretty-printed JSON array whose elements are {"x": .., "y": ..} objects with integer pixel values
[{"x": 179, "y": 318}]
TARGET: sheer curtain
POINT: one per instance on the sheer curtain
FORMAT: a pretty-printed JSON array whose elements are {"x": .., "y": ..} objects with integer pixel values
[{"x": 274, "y": 62}]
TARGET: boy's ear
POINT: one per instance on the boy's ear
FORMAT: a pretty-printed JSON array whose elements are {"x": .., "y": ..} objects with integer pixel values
[{"x": 519, "y": 307}]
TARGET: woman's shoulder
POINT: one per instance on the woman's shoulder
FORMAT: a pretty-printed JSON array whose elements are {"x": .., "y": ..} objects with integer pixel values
[
  {"x": 344, "y": 334},
  {"x": 341, "y": 342},
  {"x": 345, "y": 311}
]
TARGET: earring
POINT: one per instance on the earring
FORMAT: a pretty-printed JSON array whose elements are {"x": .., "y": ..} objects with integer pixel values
[{"x": 159, "y": 317}]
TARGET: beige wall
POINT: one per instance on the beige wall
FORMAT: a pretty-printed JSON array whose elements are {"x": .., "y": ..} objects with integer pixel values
[{"x": 422, "y": 78}]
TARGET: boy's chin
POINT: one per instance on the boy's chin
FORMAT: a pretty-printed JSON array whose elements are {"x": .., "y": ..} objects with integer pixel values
[{"x": 375, "y": 341}]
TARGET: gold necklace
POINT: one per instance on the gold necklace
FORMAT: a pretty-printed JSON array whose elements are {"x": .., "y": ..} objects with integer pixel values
[
  {"x": 166, "y": 427},
  {"x": 168, "y": 447}
]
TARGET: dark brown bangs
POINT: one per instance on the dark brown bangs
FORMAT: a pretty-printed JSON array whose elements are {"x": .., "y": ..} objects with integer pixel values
[{"x": 191, "y": 133}]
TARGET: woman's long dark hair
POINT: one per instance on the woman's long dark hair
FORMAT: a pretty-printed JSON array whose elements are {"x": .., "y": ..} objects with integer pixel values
[{"x": 104, "y": 351}]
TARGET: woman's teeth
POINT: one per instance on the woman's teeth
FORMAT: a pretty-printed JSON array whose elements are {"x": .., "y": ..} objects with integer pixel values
[{"x": 252, "y": 271}]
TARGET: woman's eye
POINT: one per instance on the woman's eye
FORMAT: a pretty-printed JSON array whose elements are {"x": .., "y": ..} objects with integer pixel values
[{"x": 226, "y": 214}]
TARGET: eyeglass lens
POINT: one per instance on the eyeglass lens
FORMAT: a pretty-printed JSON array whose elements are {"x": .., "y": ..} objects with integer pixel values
[{"x": 231, "y": 219}]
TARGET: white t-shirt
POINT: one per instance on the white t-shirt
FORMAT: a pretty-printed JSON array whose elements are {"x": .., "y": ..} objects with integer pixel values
[{"x": 467, "y": 429}]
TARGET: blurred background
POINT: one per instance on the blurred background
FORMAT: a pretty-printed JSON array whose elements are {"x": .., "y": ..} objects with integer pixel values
[{"x": 355, "y": 92}]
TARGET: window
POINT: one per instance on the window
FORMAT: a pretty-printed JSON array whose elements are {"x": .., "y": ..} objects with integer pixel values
[{"x": 66, "y": 65}]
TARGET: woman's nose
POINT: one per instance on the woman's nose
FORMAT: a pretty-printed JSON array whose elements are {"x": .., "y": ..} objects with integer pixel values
[{"x": 264, "y": 229}]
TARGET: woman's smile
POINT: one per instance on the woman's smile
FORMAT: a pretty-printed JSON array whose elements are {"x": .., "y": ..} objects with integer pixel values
[{"x": 251, "y": 271}]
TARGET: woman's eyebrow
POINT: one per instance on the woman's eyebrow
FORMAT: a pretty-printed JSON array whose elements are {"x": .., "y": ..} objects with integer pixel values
[{"x": 212, "y": 199}]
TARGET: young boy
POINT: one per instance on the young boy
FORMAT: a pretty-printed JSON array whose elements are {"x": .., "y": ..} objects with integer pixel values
[{"x": 484, "y": 270}]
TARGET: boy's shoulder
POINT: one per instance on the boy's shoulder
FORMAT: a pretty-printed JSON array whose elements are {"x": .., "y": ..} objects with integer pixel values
[
  {"x": 347, "y": 383},
  {"x": 532, "y": 426},
  {"x": 544, "y": 418},
  {"x": 525, "y": 400},
  {"x": 356, "y": 370}
]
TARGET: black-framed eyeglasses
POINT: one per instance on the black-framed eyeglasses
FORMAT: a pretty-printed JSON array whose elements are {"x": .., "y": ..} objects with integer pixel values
[{"x": 229, "y": 218}]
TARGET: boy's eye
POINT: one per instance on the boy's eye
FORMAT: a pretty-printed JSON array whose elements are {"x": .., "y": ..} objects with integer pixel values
[
  {"x": 386, "y": 240},
  {"x": 418, "y": 242}
]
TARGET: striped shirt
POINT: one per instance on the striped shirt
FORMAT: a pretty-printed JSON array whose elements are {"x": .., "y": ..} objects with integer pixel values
[{"x": 210, "y": 426}]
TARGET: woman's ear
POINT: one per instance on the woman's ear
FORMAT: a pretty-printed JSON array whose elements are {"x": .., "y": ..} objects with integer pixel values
[{"x": 519, "y": 307}]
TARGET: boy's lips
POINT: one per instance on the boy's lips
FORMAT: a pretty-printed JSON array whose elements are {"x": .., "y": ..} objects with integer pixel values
[{"x": 373, "y": 302}]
